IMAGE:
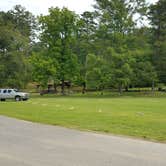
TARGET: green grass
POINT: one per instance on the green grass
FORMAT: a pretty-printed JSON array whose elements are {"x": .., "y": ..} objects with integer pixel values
[{"x": 142, "y": 117}]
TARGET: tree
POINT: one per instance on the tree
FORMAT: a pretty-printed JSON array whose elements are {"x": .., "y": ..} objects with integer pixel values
[
  {"x": 113, "y": 15},
  {"x": 84, "y": 44},
  {"x": 23, "y": 21},
  {"x": 157, "y": 16},
  {"x": 121, "y": 70},
  {"x": 145, "y": 74},
  {"x": 43, "y": 68},
  {"x": 58, "y": 36},
  {"x": 116, "y": 22},
  {"x": 14, "y": 70},
  {"x": 98, "y": 73}
]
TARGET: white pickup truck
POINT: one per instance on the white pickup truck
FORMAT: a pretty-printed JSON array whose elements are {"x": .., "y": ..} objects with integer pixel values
[{"x": 13, "y": 94}]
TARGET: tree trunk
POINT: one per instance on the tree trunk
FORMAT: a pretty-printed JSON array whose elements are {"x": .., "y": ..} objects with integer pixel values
[
  {"x": 38, "y": 88},
  {"x": 120, "y": 89},
  {"x": 69, "y": 87},
  {"x": 153, "y": 86},
  {"x": 48, "y": 88},
  {"x": 63, "y": 87},
  {"x": 101, "y": 90},
  {"x": 84, "y": 88},
  {"x": 55, "y": 87},
  {"x": 126, "y": 88}
]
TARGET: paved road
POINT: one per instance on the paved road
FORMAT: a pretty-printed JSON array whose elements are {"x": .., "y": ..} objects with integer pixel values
[{"x": 30, "y": 144}]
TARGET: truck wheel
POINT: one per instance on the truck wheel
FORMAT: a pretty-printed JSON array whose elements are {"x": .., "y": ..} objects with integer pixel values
[{"x": 17, "y": 98}]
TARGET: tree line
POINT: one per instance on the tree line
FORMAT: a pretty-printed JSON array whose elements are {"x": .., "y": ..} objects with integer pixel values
[{"x": 107, "y": 48}]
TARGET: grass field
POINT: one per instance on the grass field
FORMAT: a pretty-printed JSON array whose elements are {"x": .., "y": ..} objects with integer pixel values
[{"x": 142, "y": 117}]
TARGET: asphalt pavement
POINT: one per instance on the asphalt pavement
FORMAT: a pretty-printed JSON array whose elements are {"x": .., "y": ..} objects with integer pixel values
[{"x": 31, "y": 144}]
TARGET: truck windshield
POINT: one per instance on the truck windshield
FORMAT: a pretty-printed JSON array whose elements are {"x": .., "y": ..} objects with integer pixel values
[{"x": 16, "y": 90}]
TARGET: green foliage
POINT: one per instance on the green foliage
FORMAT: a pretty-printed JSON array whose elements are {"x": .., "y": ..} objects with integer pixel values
[
  {"x": 145, "y": 74},
  {"x": 157, "y": 17},
  {"x": 23, "y": 21},
  {"x": 14, "y": 71},
  {"x": 14, "y": 68},
  {"x": 43, "y": 68},
  {"x": 58, "y": 36},
  {"x": 100, "y": 49},
  {"x": 122, "y": 70},
  {"x": 97, "y": 75}
]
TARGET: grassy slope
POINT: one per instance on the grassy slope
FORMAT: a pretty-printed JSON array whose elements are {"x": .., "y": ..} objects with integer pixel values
[{"x": 142, "y": 117}]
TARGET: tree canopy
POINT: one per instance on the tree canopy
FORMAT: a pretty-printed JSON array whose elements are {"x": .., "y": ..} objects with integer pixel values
[{"x": 97, "y": 50}]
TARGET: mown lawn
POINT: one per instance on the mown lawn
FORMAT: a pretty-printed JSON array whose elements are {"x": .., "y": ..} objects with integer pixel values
[{"x": 142, "y": 117}]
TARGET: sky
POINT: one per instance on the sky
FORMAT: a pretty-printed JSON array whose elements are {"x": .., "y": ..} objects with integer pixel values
[{"x": 38, "y": 7}]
